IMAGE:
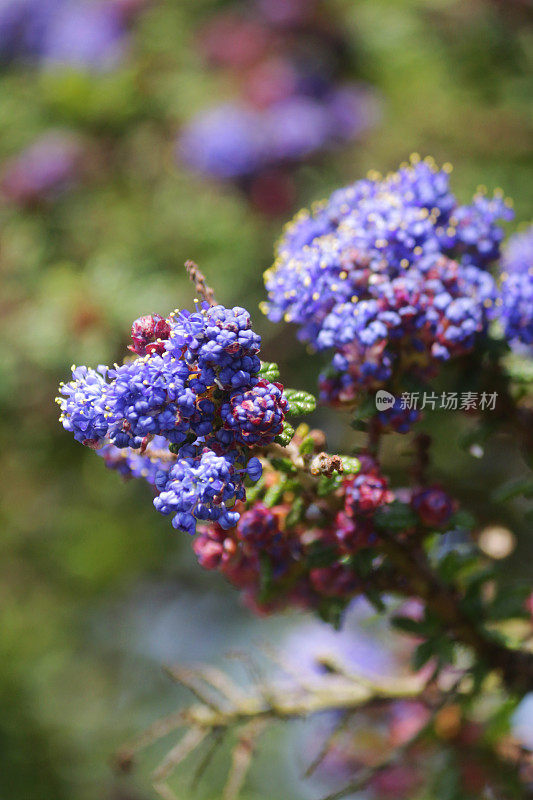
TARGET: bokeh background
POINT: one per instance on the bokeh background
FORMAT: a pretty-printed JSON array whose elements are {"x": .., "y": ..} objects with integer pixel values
[{"x": 98, "y": 211}]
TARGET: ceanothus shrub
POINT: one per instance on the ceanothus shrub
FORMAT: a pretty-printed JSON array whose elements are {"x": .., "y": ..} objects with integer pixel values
[{"x": 395, "y": 277}]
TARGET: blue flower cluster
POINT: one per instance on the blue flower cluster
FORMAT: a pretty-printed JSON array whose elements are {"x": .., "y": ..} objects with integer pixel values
[
  {"x": 516, "y": 288},
  {"x": 256, "y": 416},
  {"x": 155, "y": 459},
  {"x": 184, "y": 415},
  {"x": 296, "y": 99},
  {"x": 231, "y": 141},
  {"x": 91, "y": 35},
  {"x": 391, "y": 273}
]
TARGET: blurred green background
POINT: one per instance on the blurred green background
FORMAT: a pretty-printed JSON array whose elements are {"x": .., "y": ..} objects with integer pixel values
[{"x": 97, "y": 591}]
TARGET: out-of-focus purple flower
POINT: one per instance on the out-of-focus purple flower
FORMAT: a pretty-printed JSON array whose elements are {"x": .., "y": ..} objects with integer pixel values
[
  {"x": 296, "y": 128},
  {"x": 85, "y": 34},
  {"x": 352, "y": 109},
  {"x": 227, "y": 141},
  {"x": 23, "y": 26},
  {"x": 316, "y": 647},
  {"x": 43, "y": 170},
  {"x": 516, "y": 289},
  {"x": 91, "y": 35}
]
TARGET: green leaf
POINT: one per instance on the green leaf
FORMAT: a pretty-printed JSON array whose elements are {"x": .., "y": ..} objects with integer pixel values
[
  {"x": 269, "y": 370},
  {"x": 286, "y": 434},
  {"x": 374, "y": 597},
  {"x": 284, "y": 465},
  {"x": 363, "y": 561},
  {"x": 295, "y": 514},
  {"x": 366, "y": 409},
  {"x": 462, "y": 519},
  {"x": 307, "y": 446},
  {"x": 519, "y": 369},
  {"x": 300, "y": 402},
  {"x": 509, "y": 603},
  {"x": 327, "y": 485},
  {"x": 331, "y": 611},
  {"x": 395, "y": 516},
  {"x": 319, "y": 555},
  {"x": 254, "y": 490},
  {"x": 454, "y": 564},
  {"x": 422, "y": 654},
  {"x": 350, "y": 465},
  {"x": 266, "y": 578},
  {"x": 274, "y": 494},
  {"x": 520, "y": 486},
  {"x": 412, "y": 626}
]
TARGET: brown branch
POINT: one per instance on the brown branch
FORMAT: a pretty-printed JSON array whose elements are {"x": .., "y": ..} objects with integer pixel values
[
  {"x": 254, "y": 709},
  {"x": 200, "y": 285}
]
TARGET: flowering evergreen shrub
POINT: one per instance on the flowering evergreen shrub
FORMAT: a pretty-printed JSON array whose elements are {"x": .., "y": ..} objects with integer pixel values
[{"x": 394, "y": 275}]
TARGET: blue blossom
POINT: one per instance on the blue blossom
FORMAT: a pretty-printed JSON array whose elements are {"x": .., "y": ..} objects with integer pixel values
[
  {"x": 83, "y": 405},
  {"x": 255, "y": 416},
  {"x": 516, "y": 288},
  {"x": 227, "y": 141},
  {"x": 203, "y": 489},
  {"x": 183, "y": 415},
  {"x": 91, "y": 35},
  {"x": 156, "y": 459},
  {"x": 390, "y": 273}
]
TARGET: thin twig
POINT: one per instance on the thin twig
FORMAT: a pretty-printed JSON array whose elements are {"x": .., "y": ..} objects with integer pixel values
[
  {"x": 189, "y": 679},
  {"x": 327, "y": 744},
  {"x": 218, "y": 735},
  {"x": 179, "y": 753},
  {"x": 242, "y": 757},
  {"x": 200, "y": 285}
]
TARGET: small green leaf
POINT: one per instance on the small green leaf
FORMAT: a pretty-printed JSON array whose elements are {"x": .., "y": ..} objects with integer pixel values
[
  {"x": 331, "y": 611},
  {"x": 422, "y": 654},
  {"x": 275, "y": 493},
  {"x": 454, "y": 564},
  {"x": 319, "y": 555},
  {"x": 300, "y": 402},
  {"x": 395, "y": 516},
  {"x": 269, "y": 370},
  {"x": 509, "y": 603},
  {"x": 374, "y": 597},
  {"x": 295, "y": 514},
  {"x": 521, "y": 486},
  {"x": 284, "y": 465},
  {"x": 363, "y": 562},
  {"x": 410, "y": 625},
  {"x": 266, "y": 578},
  {"x": 462, "y": 519},
  {"x": 307, "y": 446},
  {"x": 286, "y": 434},
  {"x": 350, "y": 465},
  {"x": 327, "y": 485}
]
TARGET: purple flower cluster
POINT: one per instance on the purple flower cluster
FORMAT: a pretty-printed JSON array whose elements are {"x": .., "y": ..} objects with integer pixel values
[
  {"x": 78, "y": 33},
  {"x": 516, "y": 288},
  {"x": 43, "y": 170},
  {"x": 389, "y": 273},
  {"x": 185, "y": 414},
  {"x": 83, "y": 406},
  {"x": 290, "y": 106},
  {"x": 236, "y": 140},
  {"x": 153, "y": 460},
  {"x": 256, "y": 415}
]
